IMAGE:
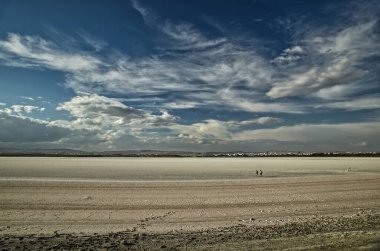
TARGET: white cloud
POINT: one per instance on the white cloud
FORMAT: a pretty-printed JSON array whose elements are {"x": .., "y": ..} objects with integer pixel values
[
  {"x": 183, "y": 104},
  {"x": 94, "y": 42},
  {"x": 37, "y": 52},
  {"x": 213, "y": 131},
  {"x": 339, "y": 72},
  {"x": 109, "y": 118},
  {"x": 217, "y": 75},
  {"x": 92, "y": 105},
  {"x": 350, "y": 40},
  {"x": 144, "y": 12},
  {"x": 363, "y": 103},
  {"x": 341, "y": 92},
  {"x": 199, "y": 78},
  {"x": 332, "y": 61},
  {"x": 289, "y": 55},
  {"x": 294, "y": 49},
  {"x": 188, "y": 37},
  {"x": 28, "y": 98},
  {"x": 195, "y": 76},
  {"x": 26, "y": 108},
  {"x": 202, "y": 132},
  {"x": 99, "y": 121},
  {"x": 262, "y": 121},
  {"x": 269, "y": 107}
]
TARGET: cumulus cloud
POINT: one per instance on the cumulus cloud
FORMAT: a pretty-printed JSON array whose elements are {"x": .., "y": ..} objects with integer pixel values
[
  {"x": 109, "y": 117},
  {"x": 26, "y": 108},
  {"x": 289, "y": 55},
  {"x": 93, "y": 105},
  {"x": 213, "y": 131},
  {"x": 208, "y": 131}
]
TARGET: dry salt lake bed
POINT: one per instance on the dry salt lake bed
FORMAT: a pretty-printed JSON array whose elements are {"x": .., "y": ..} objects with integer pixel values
[{"x": 189, "y": 203}]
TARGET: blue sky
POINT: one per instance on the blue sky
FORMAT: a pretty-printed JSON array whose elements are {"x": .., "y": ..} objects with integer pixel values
[{"x": 190, "y": 75}]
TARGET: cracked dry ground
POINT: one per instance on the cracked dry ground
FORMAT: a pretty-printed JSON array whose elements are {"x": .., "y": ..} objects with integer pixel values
[{"x": 338, "y": 212}]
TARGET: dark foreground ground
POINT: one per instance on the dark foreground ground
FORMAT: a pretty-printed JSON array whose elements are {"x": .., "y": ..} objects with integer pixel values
[{"x": 360, "y": 231}]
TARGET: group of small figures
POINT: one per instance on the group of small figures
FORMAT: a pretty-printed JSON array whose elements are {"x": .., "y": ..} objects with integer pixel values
[{"x": 259, "y": 172}]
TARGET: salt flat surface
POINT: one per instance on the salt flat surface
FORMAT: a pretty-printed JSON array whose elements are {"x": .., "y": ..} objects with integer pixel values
[
  {"x": 35, "y": 207},
  {"x": 145, "y": 169},
  {"x": 189, "y": 203}
]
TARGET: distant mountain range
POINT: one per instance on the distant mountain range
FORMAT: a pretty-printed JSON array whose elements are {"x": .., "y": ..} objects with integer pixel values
[{"x": 156, "y": 153}]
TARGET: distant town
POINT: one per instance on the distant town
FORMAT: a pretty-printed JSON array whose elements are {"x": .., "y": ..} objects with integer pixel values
[{"x": 155, "y": 153}]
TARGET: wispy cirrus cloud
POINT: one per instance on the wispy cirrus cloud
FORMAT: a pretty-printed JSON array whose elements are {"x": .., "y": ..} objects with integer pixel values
[
  {"x": 362, "y": 103},
  {"x": 205, "y": 72},
  {"x": 188, "y": 38},
  {"x": 147, "y": 15},
  {"x": 200, "y": 77},
  {"x": 34, "y": 51},
  {"x": 332, "y": 61},
  {"x": 262, "y": 121},
  {"x": 96, "y": 43},
  {"x": 339, "y": 72},
  {"x": 211, "y": 70},
  {"x": 184, "y": 36}
]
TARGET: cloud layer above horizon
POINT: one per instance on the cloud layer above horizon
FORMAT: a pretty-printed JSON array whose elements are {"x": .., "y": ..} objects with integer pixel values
[{"x": 147, "y": 77}]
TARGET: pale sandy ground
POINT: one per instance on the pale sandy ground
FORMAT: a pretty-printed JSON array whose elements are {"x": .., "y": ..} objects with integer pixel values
[{"x": 312, "y": 211}]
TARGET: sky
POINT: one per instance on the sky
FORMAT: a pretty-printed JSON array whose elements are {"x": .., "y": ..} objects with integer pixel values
[{"x": 226, "y": 75}]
